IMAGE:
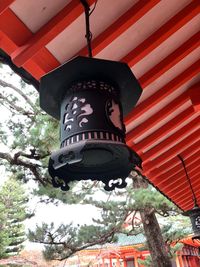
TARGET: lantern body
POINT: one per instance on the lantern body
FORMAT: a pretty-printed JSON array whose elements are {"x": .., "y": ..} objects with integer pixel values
[
  {"x": 88, "y": 96},
  {"x": 194, "y": 215},
  {"x": 91, "y": 110}
]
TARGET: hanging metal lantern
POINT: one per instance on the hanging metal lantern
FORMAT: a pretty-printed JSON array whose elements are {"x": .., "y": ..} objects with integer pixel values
[
  {"x": 90, "y": 96},
  {"x": 194, "y": 215}
]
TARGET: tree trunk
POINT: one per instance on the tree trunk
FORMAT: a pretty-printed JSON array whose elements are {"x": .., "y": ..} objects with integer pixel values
[{"x": 155, "y": 240}]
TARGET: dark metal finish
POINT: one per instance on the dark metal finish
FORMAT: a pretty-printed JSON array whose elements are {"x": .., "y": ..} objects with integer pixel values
[
  {"x": 102, "y": 161},
  {"x": 86, "y": 95},
  {"x": 194, "y": 215},
  {"x": 88, "y": 34},
  {"x": 189, "y": 181},
  {"x": 56, "y": 83},
  {"x": 93, "y": 108}
]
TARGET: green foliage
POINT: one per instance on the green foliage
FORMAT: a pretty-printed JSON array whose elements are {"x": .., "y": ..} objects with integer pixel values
[
  {"x": 173, "y": 234},
  {"x": 55, "y": 195},
  {"x": 28, "y": 132},
  {"x": 147, "y": 262},
  {"x": 147, "y": 198},
  {"x": 114, "y": 208},
  {"x": 174, "y": 249},
  {"x": 65, "y": 240},
  {"x": 4, "y": 236},
  {"x": 13, "y": 212}
]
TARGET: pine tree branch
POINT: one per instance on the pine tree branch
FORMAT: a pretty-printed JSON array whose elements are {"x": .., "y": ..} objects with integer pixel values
[
  {"x": 7, "y": 107},
  {"x": 13, "y": 106},
  {"x": 105, "y": 238},
  {"x": 32, "y": 155},
  {"x": 15, "y": 160},
  {"x": 17, "y": 90},
  {"x": 162, "y": 213},
  {"x": 70, "y": 249}
]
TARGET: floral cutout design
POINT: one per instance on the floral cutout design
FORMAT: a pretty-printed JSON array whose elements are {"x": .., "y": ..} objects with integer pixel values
[
  {"x": 114, "y": 114},
  {"x": 77, "y": 112}
]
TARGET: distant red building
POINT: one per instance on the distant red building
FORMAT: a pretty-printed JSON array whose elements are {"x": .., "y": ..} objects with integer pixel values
[{"x": 128, "y": 251}]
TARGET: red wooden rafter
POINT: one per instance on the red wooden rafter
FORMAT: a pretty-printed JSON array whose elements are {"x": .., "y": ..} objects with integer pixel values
[{"x": 164, "y": 32}]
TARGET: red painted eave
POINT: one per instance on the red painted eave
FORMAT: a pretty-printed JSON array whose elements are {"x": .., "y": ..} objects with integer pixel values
[
  {"x": 160, "y": 40},
  {"x": 189, "y": 241}
]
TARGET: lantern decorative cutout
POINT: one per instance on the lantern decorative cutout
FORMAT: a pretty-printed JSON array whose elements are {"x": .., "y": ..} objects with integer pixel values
[
  {"x": 194, "y": 215},
  {"x": 90, "y": 96}
]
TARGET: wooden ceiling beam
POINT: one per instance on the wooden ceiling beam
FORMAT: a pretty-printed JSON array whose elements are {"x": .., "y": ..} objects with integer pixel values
[
  {"x": 164, "y": 32},
  {"x": 48, "y": 32},
  {"x": 177, "y": 149},
  {"x": 177, "y": 181},
  {"x": 14, "y": 29},
  {"x": 181, "y": 191},
  {"x": 41, "y": 63},
  {"x": 170, "y": 61},
  {"x": 162, "y": 131},
  {"x": 172, "y": 139},
  {"x": 12, "y": 38},
  {"x": 157, "y": 171},
  {"x": 182, "y": 196},
  {"x": 184, "y": 187},
  {"x": 119, "y": 26},
  {"x": 195, "y": 98},
  {"x": 190, "y": 204},
  {"x": 179, "y": 178},
  {"x": 5, "y": 4},
  {"x": 157, "y": 118},
  {"x": 186, "y": 199},
  {"x": 164, "y": 178},
  {"x": 165, "y": 91}
]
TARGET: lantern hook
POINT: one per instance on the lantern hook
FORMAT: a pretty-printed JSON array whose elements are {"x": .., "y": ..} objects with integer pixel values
[
  {"x": 189, "y": 181},
  {"x": 88, "y": 34}
]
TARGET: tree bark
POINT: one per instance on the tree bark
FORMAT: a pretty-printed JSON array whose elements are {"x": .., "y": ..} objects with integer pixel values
[{"x": 155, "y": 240}]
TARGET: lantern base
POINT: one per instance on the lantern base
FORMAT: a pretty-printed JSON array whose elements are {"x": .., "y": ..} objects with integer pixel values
[{"x": 90, "y": 160}]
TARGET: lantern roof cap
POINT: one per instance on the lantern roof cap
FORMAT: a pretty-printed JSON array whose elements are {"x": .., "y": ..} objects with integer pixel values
[{"x": 54, "y": 84}]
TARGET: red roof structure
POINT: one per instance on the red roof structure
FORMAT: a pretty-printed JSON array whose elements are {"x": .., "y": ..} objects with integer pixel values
[
  {"x": 160, "y": 41},
  {"x": 128, "y": 253}
]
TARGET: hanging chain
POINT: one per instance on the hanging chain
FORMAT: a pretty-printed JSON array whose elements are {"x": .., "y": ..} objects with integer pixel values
[
  {"x": 88, "y": 35},
  {"x": 189, "y": 181}
]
